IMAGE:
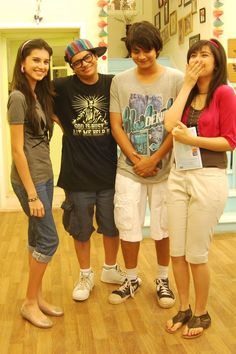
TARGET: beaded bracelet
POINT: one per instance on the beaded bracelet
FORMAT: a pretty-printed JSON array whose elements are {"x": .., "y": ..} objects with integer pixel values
[{"x": 33, "y": 199}]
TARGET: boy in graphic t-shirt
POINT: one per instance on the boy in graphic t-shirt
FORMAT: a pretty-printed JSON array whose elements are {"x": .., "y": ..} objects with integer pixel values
[
  {"x": 139, "y": 98},
  {"x": 88, "y": 163}
]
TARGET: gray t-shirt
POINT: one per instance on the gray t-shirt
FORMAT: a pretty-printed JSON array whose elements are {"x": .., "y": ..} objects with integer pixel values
[
  {"x": 36, "y": 147},
  {"x": 142, "y": 107}
]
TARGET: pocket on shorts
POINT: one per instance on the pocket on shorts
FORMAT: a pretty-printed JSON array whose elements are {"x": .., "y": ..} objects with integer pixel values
[
  {"x": 68, "y": 218},
  {"x": 123, "y": 212}
]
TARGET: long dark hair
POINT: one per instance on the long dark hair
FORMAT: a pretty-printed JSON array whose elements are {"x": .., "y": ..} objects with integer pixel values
[
  {"x": 220, "y": 71},
  {"x": 43, "y": 89}
]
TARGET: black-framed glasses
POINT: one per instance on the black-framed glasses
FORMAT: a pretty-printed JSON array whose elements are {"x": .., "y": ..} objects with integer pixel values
[{"x": 88, "y": 58}]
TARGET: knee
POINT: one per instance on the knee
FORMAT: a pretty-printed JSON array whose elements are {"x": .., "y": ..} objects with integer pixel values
[{"x": 178, "y": 260}]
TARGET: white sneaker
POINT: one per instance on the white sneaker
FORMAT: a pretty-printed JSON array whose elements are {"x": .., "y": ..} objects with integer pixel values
[
  {"x": 84, "y": 286},
  {"x": 113, "y": 275}
]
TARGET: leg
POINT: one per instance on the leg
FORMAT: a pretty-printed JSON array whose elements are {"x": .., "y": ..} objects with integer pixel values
[
  {"x": 30, "y": 309},
  {"x": 201, "y": 279},
  {"x": 130, "y": 205},
  {"x": 182, "y": 280},
  {"x": 78, "y": 221},
  {"x": 130, "y": 252},
  {"x": 46, "y": 194},
  {"x": 82, "y": 250},
  {"x": 111, "y": 272},
  {"x": 163, "y": 251},
  {"x": 111, "y": 246},
  {"x": 208, "y": 189},
  {"x": 43, "y": 242},
  {"x": 159, "y": 231}
]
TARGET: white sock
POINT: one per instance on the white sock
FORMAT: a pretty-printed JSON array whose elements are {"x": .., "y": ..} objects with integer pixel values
[
  {"x": 162, "y": 272},
  {"x": 85, "y": 271},
  {"x": 108, "y": 266},
  {"x": 132, "y": 273}
]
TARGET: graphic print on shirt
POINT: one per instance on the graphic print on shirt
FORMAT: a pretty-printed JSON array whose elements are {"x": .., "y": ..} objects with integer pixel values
[
  {"x": 143, "y": 121},
  {"x": 91, "y": 115}
]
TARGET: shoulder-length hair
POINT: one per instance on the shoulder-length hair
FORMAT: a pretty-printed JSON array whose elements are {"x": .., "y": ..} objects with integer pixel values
[
  {"x": 220, "y": 71},
  {"x": 43, "y": 89}
]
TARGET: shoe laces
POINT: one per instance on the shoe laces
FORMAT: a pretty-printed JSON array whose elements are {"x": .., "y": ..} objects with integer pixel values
[
  {"x": 162, "y": 287},
  {"x": 120, "y": 271},
  {"x": 84, "y": 282},
  {"x": 127, "y": 285}
]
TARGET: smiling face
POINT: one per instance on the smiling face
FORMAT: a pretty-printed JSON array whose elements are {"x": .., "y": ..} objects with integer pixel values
[
  {"x": 145, "y": 59},
  {"x": 84, "y": 65},
  {"x": 206, "y": 58},
  {"x": 36, "y": 65}
]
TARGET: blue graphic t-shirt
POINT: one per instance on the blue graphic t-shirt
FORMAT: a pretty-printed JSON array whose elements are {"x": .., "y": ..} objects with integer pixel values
[{"x": 142, "y": 107}]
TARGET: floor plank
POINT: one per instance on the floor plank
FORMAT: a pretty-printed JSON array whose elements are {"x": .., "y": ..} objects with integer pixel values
[{"x": 95, "y": 326}]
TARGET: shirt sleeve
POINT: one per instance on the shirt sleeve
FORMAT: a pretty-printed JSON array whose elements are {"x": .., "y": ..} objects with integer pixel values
[
  {"x": 227, "y": 108},
  {"x": 114, "y": 97},
  {"x": 16, "y": 108}
]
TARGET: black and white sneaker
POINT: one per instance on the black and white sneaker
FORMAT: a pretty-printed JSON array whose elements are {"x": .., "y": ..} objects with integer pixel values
[
  {"x": 165, "y": 296},
  {"x": 126, "y": 290}
]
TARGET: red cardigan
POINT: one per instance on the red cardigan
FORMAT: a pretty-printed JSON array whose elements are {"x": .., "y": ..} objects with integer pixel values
[{"x": 219, "y": 119}]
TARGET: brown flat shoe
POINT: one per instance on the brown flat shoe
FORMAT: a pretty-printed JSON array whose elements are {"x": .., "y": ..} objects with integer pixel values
[
  {"x": 182, "y": 317},
  {"x": 34, "y": 321},
  {"x": 203, "y": 321}
]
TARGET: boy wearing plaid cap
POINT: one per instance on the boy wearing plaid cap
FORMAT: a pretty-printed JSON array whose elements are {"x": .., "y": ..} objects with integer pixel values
[{"x": 88, "y": 163}]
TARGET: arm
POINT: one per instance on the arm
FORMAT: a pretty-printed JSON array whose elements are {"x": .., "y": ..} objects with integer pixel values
[
  {"x": 148, "y": 163},
  {"x": 175, "y": 112},
  {"x": 18, "y": 155},
  {"x": 121, "y": 137},
  {"x": 182, "y": 135},
  {"x": 127, "y": 148}
]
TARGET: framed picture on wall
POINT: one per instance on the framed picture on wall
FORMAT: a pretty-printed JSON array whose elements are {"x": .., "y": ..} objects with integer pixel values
[
  {"x": 232, "y": 72},
  {"x": 157, "y": 20},
  {"x": 187, "y": 2},
  {"x": 188, "y": 24},
  {"x": 165, "y": 35},
  {"x": 202, "y": 15},
  {"x": 166, "y": 12},
  {"x": 194, "y": 6},
  {"x": 181, "y": 31},
  {"x": 117, "y": 7},
  {"x": 173, "y": 23},
  {"x": 194, "y": 39}
]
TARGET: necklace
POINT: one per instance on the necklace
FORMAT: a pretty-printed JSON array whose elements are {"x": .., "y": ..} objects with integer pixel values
[{"x": 202, "y": 93}]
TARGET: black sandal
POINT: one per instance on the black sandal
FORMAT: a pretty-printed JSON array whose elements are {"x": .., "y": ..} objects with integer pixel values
[
  {"x": 203, "y": 321},
  {"x": 182, "y": 317}
]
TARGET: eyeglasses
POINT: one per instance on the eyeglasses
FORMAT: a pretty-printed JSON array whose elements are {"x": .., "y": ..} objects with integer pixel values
[{"x": 88, "y": 58}]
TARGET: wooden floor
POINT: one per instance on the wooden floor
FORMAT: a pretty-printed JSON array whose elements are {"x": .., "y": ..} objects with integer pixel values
[{"x": 95, "y": 326}]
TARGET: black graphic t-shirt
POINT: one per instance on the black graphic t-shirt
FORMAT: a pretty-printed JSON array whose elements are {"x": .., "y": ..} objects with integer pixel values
[{"x": 89, "y": 153}]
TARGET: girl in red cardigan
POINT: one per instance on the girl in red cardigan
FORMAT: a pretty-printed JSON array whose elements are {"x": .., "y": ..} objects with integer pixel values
[{"x": 197, "y": 197}]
